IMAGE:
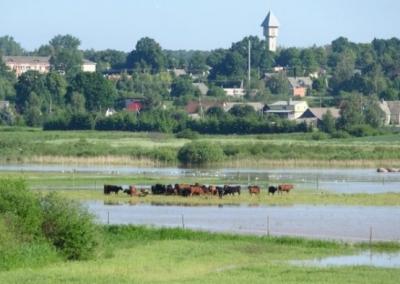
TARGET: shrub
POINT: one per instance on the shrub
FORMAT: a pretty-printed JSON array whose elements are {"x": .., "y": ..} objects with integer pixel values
[
  {"x": 319, "y": 136},
  {"x": 363, "y": 130},
  {"x": 341, "y": 134},
  {"x": 198, "y": 153},
  {"x": 81, "y": 121},
  {"x": 188, "y": 134},
  {"x": 69, "y": 227},
  {"x": 20, "y": 208}
]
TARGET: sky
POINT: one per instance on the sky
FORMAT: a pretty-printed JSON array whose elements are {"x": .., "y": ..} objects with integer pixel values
[{"x": 196, "y": 24}]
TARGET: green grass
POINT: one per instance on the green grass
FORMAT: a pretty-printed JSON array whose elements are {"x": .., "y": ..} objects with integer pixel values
[
  {"x": 87, "y": 186},
  {"x": 139, "y": 255},
  {"x": 33, "y": 145}
]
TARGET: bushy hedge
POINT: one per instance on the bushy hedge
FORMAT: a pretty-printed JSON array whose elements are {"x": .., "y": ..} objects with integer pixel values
[
  {"x": 199, "y": 153},
  {"x": 33, "y": 228}
]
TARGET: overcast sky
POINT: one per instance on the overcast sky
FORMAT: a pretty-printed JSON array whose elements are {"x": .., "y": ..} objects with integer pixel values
[{"x": 196, "y": 24}]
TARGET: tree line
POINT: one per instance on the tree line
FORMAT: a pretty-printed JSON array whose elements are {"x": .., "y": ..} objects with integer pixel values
[{"x": 345, "y": 70}]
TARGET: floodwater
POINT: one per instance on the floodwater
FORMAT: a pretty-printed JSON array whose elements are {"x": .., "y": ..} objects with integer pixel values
[
  {"x": 349, "y": 223},
  {"x": 368, "y": 258},
  {"x": 331, "y": 180}
]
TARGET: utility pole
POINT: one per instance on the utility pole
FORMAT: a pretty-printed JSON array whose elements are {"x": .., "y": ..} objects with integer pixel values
[{"x": 249, "y": 65}]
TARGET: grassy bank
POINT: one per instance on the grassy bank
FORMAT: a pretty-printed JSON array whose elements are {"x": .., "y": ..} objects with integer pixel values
[
  {"x": 139, "y": 255},
  {"x": 299, "y": 197},
  {"x": 156, "y": 149}
]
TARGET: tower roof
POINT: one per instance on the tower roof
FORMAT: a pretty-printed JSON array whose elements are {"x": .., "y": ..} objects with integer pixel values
[{"x": 270, "y": 21}]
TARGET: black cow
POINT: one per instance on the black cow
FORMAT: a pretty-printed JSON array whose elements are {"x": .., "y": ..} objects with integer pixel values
[
  {"x": 220, "y": 191},
  {"x": 231, "y": 190},
  {"x": 170, "y": 190},
  {"x": 158, "y": 189},
  {"x": 272, "y": 190},
  {"x": 108, "y": 189}
]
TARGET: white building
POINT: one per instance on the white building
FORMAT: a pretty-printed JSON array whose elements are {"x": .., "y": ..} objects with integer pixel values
[
  {"x": 22, "y": 64},
  {"x": 271, "y": 31},
  {"x": 235, "y": 92},
  {"x": 291, "y": 110}
]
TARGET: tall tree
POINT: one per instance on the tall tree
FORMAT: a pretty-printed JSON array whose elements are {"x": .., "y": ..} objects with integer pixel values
[
  {"x": 147, "y": 56},
  {"x": 99, "y": 92},
  {"x": 66, "y": 56},
  {"x": 9, "y": 47}
]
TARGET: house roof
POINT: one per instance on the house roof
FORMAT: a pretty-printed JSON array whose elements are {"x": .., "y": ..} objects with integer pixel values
[
  {"x": 194, "y": 106},
  {"x": 298, "y": 82},
  {"x": 319, "y": 112},
  {"x": 179, "y": 72},
  {"x": 256, "y": 106},
  {"x": 88, "y": 62},
  {"x": 4, "y": 104},
  {"x": 270, "y": 21},
  {"x": 285, "y": 103},
  {"x": 394, "y": 107},
  {"x": 202, "y": 87},
  {"x": 27, "y": 59}
]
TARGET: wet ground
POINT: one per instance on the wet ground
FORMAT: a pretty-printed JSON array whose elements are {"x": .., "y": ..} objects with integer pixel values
[
  {"x": 350, "y": 223},
  {"x": 332, "y": 180},
  {"x": 368, "y": 258}
]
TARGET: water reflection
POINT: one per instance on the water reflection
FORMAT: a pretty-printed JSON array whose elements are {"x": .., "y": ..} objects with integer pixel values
[
  {"x": 368, "y": 258},
  {"x": 350, "y": 223}
]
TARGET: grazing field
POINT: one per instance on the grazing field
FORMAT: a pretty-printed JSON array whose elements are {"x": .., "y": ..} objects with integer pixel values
[
  {"x": 140, "y": 255},
  {"x": 154, "y": 149},
  {"x": 88, "y": 186}
]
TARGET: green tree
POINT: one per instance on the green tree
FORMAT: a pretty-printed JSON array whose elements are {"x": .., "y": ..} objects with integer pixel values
[
  {"x": 147, "y": 56},
  {"x": 33, "y": 115},
  {"x": 99, "y": 92},
  {"x": 182, "y": 86},
  {"x": 374, "y": 115},
  {"x": 242, "y": 111},
  {"x": 278, "y": 84},
  {"x": 66, "y": 56},
  {"x": 29, "y": 82},
  {"x": 328, "y": 123},
  {"x": 77, "y": 103},
  {"x": 9, "y": 47},
  {"x": 351, "y": 111}
]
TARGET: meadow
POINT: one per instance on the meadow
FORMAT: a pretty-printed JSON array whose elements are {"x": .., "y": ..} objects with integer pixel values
[
  {"x": 157, "y": 149},
  {"x": 146, "y": 255}
]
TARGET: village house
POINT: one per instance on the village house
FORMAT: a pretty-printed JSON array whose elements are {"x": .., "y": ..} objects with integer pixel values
[
  {"x": 392, "y": 112},
  {"x": 4, "y": 105},
  {"x": 314, "y": 116},
  {"x": 291, "y": 110},
  {"x": 22, "y": 64},
  {"x": 235, "y": 92},
  {"x": 299, "y": 86},
  {"x": 202, "y": 88}
]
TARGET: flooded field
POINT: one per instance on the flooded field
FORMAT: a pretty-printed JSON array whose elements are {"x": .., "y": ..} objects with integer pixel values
[
  {"x": 368, "y": 258},
  {"x": 350, "y": 223},
  {"x": 331, "y": 180}
]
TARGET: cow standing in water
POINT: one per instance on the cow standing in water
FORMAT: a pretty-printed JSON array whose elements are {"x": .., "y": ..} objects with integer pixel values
[
  {"x": 285, "y": 188},
  {"x": 108, "y": 189}
]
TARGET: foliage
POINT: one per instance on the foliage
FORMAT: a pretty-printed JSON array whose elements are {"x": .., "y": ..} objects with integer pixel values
[
  {"x": 69, "y": 227},
  {"x": 65, "y": 55},
  {"x": 9, "y": 47},
  {"x": 199, "y": 153},
  {"x": 187, "y": 134},
  {"x": 147, "y": 56},
  {"x": 99, "y": 93}
]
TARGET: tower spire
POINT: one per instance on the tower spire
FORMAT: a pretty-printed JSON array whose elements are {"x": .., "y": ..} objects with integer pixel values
[{"x": 271, "y": 31}]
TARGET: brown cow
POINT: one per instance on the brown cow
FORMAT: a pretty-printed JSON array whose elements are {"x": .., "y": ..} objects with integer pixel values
[
  {"x": 255, "y": 189},
  {"x": 183, "y": 189},
  {"x": 196, "y": 189},
  {"x": 285, "y": 188}
]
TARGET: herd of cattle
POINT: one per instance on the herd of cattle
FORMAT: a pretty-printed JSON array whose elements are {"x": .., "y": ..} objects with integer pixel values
[
  {"x": 187, "y": 190},
  {"x": 388, "y": 170}
]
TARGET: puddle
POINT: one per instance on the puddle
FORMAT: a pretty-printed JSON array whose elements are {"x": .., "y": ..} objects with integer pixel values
[{"x": 383, "y": 260}]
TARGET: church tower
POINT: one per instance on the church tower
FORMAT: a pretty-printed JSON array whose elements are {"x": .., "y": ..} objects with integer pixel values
[{"x": 271, "y": 31}]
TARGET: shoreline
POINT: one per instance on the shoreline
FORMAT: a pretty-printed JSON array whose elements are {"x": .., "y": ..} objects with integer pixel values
[{"x": 229, "y": 164}]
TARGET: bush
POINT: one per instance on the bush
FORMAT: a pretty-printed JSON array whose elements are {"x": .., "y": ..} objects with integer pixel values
[
  {"x": 20, "y": 208},
  {"x": 341, "y": 134},
  {"x": 81, "y": 121},
  {"x": 188, "y": 134},
  {"x": 363, "y": 130},
  {"x": 199, "y": 153},
  {"x": 69, "y": 227},
  {"x": 319, "y": 136}
]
